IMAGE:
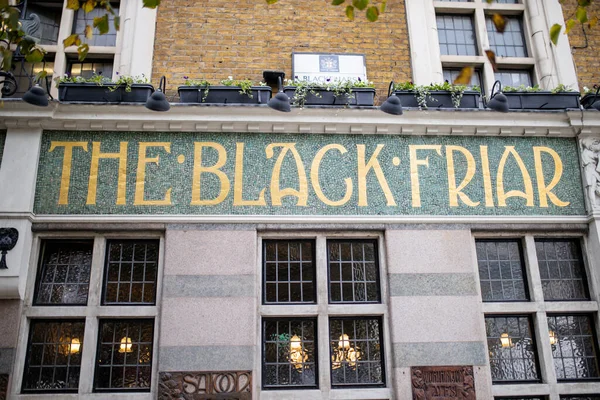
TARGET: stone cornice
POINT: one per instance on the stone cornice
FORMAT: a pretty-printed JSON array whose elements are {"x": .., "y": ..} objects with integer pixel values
[{"x": 16, "y": 114}]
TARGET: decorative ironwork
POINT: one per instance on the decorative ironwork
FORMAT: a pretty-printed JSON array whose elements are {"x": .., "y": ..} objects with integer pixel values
[
  {"x": 449, "y": 383},
  {"x": 8, "y": 240},
  {"x": 9, "y": 84},
  {"x": 230, "y": 385},
  {"x": 3, "y": 386}
]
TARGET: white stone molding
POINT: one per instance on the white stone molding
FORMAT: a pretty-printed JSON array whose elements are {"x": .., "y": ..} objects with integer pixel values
[{"x": 590, "y": 157}]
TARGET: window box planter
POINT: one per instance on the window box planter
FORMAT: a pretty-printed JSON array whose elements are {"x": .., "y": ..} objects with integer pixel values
[
  {"x": 360, "y": 97},
  {"x": 439, "y": 99},
  {"x": 588, "y": 100},
  {"x": 94, "y": 93},
  {"x": 223, "y": 95},
  {"x": 542, "y": 100}
]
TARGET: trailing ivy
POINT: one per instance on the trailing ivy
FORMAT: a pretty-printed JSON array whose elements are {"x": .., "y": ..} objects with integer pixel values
[
  {"x": 340, "y": 88},
  {"x": 423, "y": 92}
]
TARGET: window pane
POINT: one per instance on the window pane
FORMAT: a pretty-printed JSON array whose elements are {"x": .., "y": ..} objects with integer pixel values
[
  {"x": 507, "y": 1},
  {"x": 289, "y": 271},
  {"x": 353, "y": 271},
  {"x": 450, "y": 74},
  {"x": 514, "y": 77},
  {"x": 130, "y": 272},
  {"x": 124, "y": 358},
  {"x": 581, "y": 397},
  {"x": 521, "y": 398},
  {"x": 64, "y": 272},
  {"x": 42, "y": 21},
  {"x": 82, "y": 19},
  {"x": 511, "y": 43},
  {"x": 356, "y": 352},
  {"x": 289, "y": 353},
  {"x": 456, "y": 35},
  {"x": 90, "y": 68},
  {"x": 561, "y": 269},
  {"x": 511, "y": 349},
  {"x": 501, "y": 272},
  {"x": 573, "y": 346},
  {"x": 53, "y": 356}
]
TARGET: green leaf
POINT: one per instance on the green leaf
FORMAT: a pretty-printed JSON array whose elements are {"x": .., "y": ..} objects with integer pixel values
[
  {"x": 73, "y": 4},
  {"x": 88, "y": 32},
  {"x": 83, "y": 50},
  {"x": 73, "y": 40},
  {"x": 584, "y": 3},
  {"x": 117, "y": 22},
  {"x": 554, "y": 32},
  {"x": 372, "y": 13},
  {"x": 581, "y": 15},
  {"x": 335, "y": 2},
  {"x": 88, "y": 6},
  {"x": 101, "y": 23},
  {"x": 350, "y": 13},
  {"x": 593, "y": 22},
  {"x": 383, "y": 4},
  {"x": 35, "y": 55},
  {"x": 489, "y": 1},
  {"x": 156, "y": 3},
  {"x": 492, "y": 58},
  {"x": 6, "y": 59},
  {"x": 464, "y": 77},
  {"x": 569, "y": 25},
  {"x": 40, "y": 75},
  {"x": 360, "y": 4},
  {"x": 499, "y": 22}
]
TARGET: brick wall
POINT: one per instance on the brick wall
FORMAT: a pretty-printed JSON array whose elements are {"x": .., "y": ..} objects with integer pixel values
[
  {"x": 587, "y": 60},
  {"x": 218, "y": 38}
]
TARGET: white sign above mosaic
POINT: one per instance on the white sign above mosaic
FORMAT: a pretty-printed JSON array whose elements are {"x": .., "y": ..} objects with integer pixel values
[{"x": 322, "y": 67}]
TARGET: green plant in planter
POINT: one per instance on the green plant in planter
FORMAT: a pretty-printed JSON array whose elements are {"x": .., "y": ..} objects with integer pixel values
[
  {"x": 423, "y": 92},
  {"x": 244, "y": 84},
  {"x": 521, "y": 88},
  {"x": 338, "y": 87},
  {"x": 202, "y": 83},
  {"x": 100, "y": 80}
]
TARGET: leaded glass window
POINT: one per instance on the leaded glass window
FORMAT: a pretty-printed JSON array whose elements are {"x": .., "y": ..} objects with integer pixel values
[
  {"x": 514, "y": 77},
  {"x": 581, "y": 397},
  {"x": 353, "y": 271},
  {"x": 289, "y": 271},
  {"x": 356, "y": 352},
  {"x": 512, "y": 350},
  {"x": 573, "y": 346},
  {"x": 501, "y": 273},
  {"x": 124, "y": 358},
  {"x": 64, "y": 272},
  {"x": 53, "y": 356},
  {"x": 511, "y": 43},
  {"x": 82, "y": 19},
  {"x": 456, "y": 34},
  {"x": 561, "y": 269},
  {"x": 130, "y": 272},
  {"x": 90, "y": 67},
  {"x": 450, "y": 75},
  {"x": 290, "y": 353}
]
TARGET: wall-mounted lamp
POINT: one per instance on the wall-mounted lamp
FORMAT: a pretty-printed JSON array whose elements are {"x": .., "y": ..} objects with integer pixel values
[
  {"x": 298, "y": 355},
  {"x": 553, "y": 338},
  {"x": 595, "y": 104},
  {"x": 505, "y": 340},
  {"x": 8, "y": 240},
  {"x": 75, "y": 346},
  {"x": 345, "y": 354},
  {"x": 126, "y": 345},
  {"x": 157, "y": 100},
  {"x": 392, "y": 105},
  {"x": 498, "y": 101},
  {"x": 281, "y": 101},
  {"x": 36, "y": 96}
]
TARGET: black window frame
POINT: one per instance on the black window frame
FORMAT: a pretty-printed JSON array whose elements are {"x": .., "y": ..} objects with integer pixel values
[
  {"x": 26, "y": 364},
  {"x": 375, "y": 243},
  {"x": 96, "y": 372},
  {"x": 379, "y": 318},
  {"x": 38, "y": 278},
  {"x": 313, "y": 244},
  {"x": 314, "y": 320},
  {"x": 523, "y": 269},
  {"x": 105, "y": 275}
]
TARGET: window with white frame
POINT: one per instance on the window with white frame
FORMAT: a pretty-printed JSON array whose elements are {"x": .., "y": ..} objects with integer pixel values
[
  {"x": 540, "y": 320},
  {"x": 466, "y": 30},
  {"x": 80, "y": 331},
  {"x": 332, "y": 338},
  {"x": 47, "y": 22}
]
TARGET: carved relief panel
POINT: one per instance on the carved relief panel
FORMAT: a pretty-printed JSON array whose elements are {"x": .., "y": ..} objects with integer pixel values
[
  {"x": 448, "y": 383},
  {"x": 231, "y": 385}
]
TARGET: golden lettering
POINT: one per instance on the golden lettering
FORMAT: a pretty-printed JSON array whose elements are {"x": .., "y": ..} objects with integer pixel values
[
  {"x": 122, "y": 180},
  {"x": 276, "y": 192},
  {"x": 414, "y": 168},
  {"x": 65, "y": 179},
  {"x": 215, "y": 169},
  {"x": 140, "y": 179},
  {"x": 544, "y": 191},
  {"x": 487, "y": 176},
  {"x": 314, "y": 176},
  {"x": 363, "y": 171},
  {"x": 502, "y": 196},
  {"x": 238, "y": 187},
  {"x": 455, "y": 192}
]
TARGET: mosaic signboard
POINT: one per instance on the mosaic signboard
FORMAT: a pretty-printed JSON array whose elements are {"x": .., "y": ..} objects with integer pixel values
[
  {"x": 293, "y": 174},
  {"x": 447, "y": 383}
]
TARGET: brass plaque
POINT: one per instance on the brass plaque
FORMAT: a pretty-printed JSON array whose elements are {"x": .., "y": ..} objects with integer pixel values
[{"x": 443, "y": 383}]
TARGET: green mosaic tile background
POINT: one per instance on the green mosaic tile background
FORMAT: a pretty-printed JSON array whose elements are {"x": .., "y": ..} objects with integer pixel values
[
  {"x": 334, "y": 169},
  {"x": 2, "y": 140}
]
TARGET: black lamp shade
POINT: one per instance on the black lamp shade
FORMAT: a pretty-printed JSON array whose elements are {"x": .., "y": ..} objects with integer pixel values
[
  {"x": 158, "y": 102},
  {"x": 596, "y": 105},
  {"x": 36, "y": 96},
  {"x": 498, "y": 103},
  {"x": 392, "y": 105},
  {"x": 281, "y": 102}
]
